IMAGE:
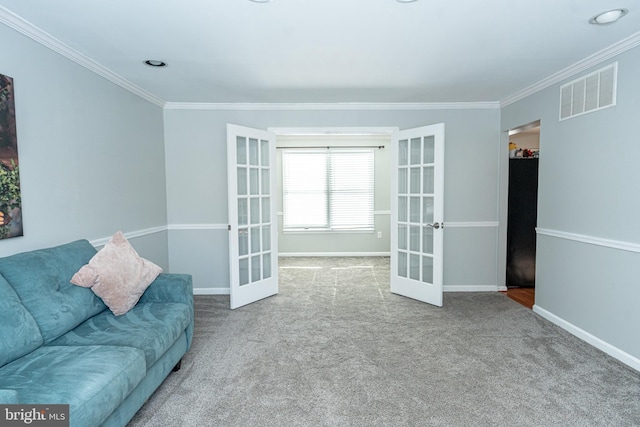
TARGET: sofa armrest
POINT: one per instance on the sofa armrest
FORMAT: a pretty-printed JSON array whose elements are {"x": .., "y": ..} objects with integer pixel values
[
  {"x": 170, "y": 287},
  {"x": 8, "y": 397}
]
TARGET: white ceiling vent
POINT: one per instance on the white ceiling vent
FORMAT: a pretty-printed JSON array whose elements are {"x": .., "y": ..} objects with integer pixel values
[{"x": 590, "y": 93}]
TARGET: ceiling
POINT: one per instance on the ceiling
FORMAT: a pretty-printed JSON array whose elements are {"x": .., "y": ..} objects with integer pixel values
[{"x": 330, "y": 51}]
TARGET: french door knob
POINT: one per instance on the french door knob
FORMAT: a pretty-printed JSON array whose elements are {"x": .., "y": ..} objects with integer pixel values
[{"x": 435, "y": 225}]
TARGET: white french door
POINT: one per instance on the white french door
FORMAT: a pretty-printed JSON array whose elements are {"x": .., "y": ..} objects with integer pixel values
[
  {"x": 417, "y": 187},
  {"x": 253, "y": 234}
]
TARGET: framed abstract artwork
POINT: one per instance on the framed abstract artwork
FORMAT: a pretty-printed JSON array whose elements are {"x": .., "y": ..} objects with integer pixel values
[{"x": 10, "y": 196}]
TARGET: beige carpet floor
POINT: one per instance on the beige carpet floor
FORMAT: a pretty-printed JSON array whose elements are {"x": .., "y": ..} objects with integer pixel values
[{"x": 336, "y": 348}]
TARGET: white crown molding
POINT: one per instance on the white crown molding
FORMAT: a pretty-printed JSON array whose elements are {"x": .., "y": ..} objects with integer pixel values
[
  {"x": 28, "y": 29},
  {"x": 590, "y": 240},
  {"x": 580, "y": 66},
  {"x": 382, "y": 133},
  {"x": 348, "y": 106}
]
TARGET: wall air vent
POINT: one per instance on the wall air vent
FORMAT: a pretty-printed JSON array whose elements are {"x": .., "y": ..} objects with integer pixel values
[{"x": 589, "y": 93}]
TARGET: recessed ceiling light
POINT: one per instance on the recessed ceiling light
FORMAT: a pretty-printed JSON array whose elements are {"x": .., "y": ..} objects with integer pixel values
[
  {"x": 155, "y": 63},
  {"x": 261, "y": 1},
  {"x": 608, "y": 17},
  {"x": 406, "y": 1}
]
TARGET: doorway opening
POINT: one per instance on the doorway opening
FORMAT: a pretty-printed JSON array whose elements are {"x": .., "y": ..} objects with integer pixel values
[
  {"x": 522, "y": 211},
  {"x": 415, "y": 193},
  {"x": 325, "y": 224}
]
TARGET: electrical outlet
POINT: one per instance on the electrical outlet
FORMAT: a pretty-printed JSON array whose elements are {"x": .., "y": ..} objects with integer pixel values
[{"x": 379, "y": 234}]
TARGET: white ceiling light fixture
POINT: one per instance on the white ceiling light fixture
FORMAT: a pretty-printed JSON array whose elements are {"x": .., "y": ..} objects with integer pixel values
[
  {"x": 406, "y": 1},
  {"x": 261, "y": 1},
  {"x": 608, "y": 17}
]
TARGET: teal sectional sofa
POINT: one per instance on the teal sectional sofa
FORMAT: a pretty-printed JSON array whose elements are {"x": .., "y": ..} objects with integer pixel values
[{"x": 59, "y": 343}]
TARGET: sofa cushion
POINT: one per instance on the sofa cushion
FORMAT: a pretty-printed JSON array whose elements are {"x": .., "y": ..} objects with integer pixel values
[
  {"x": 8, "y": 397},
  {"x": 151, "y": 327},
  {"x": 41, "y": 280},
  {"x": 93, "y": 380},
  {"x": 117, "y": 274},
  {"x": 19, "y": 333}
]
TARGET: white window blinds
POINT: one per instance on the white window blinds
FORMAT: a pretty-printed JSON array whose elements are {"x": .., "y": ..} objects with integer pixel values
[{"x": 328, "y": 189}]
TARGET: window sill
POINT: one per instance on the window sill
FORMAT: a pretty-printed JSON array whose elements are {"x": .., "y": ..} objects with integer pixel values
[{"x": 325, "y": 231}]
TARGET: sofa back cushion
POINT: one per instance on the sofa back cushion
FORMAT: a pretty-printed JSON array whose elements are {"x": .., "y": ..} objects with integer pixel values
[
  {"x": 19, "y": 333},
  {"x": 41, "y": 278}
]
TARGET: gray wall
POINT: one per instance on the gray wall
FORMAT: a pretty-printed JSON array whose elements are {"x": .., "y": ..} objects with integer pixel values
[
  {"x": 91, "y": 154},
  {"x": 588, "y": 256},
  {"x": 197, "y": 184}
]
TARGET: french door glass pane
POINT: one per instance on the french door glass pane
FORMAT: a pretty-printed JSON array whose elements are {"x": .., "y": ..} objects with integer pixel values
[
  {"x": 266, "y": 209},
  {"x": 244, "y": 271},
  {"x": 241, "y": 150},
  {"x": 415, "y": 154},
  {"x": 428, "y": 151},
  {"x": 402, "y": 264},
  {"x": 254, "y": 181},
  {"x": 428, "y": 180},
  {"x": 414, "y": 238},
  {"x": 414, "y": 209},
  {"x": 243, "y": 212},
  {"x": 427, "y": 240},
  {"x": 427, "y": 269},
  {"x": 402, "y": 236},
  {"x": 253, "y": 152},
  {"x": 402, "y": 181},
  {"x": 254, "y": 209},
  {"x": 414, "y": 180},
  {"x": 243, "y": 241},
  {"x": 242, "y": 181},
  {"x": 427, "y": 209},
  {"x": 403, "y": 152},
  {"x": 414, "y": 266},
  {"x": 264, "y": 153},
  {"x": 402, "y": 208},
  {"x": 266, "y": 188},
  {"x": 266, "y": 265},
  {"x": 266, "y": 237},
  {"x": 255, "y": 268},
  {"x": 255, "y": 239}
]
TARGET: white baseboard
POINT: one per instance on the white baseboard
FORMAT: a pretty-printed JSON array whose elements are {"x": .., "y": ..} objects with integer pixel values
[
  {"x": 211, "y": 291},
  {"x": 332, "y": 254},
  {"x": 611, "y": 350},
  {"x": 470, "y": 288}
]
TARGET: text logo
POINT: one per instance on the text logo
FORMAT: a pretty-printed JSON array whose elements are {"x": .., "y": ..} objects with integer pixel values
[{"x": 34, "y": 415}]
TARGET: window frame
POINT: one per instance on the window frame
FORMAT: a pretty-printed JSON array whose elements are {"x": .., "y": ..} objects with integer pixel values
[{"x": 329, "y": 227}]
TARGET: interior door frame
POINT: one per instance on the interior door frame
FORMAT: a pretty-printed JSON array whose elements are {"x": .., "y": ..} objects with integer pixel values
[
  {"x": 324, "y": 131},
  {"x": 332, "y": 130},
  {"x": 503, "y": 199}
]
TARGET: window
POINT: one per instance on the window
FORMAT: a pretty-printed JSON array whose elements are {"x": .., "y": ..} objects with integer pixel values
[{"x": 328, "y": 189}]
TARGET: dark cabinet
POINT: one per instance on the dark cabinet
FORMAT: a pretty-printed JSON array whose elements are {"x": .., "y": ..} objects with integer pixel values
[{"x": 522, "y": 219}]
